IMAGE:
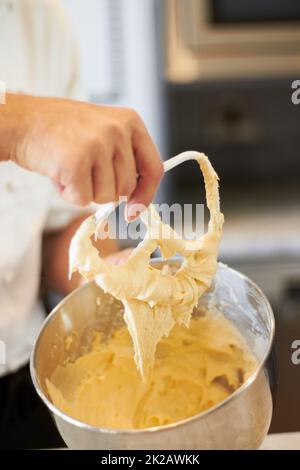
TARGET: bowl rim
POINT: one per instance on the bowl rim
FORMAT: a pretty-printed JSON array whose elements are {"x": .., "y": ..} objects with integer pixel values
[{"x": 95, "y": 429}]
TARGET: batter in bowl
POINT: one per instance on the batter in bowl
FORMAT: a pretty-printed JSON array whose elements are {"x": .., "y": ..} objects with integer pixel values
[
  {"x": 195, "y": 368},
  {"x": 154, "y": 300},
  {"x": 163, "y": 367}
]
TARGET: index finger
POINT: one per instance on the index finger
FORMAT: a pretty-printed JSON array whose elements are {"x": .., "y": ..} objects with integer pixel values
[{"x": 149, "y": 170}]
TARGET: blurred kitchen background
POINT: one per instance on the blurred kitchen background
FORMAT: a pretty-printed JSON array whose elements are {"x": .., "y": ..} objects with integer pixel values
[{"x": 216, "y": 76}]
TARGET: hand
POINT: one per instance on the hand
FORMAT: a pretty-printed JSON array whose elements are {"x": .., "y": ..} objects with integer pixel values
[
  {"x": 119, "y": 257},
  {"x": 92, "y": 153}
]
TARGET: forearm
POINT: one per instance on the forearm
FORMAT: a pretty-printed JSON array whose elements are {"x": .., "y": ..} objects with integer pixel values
[
  {"x": 12, "y": 125},
  {"x": 56, "y": 258}
]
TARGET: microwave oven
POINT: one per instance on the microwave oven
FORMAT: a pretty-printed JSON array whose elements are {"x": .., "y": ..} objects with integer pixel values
[{"x": 211, "y": 39}]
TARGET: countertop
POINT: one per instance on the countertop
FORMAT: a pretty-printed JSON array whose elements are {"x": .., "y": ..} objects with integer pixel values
[{"x": 285, "y": 441}]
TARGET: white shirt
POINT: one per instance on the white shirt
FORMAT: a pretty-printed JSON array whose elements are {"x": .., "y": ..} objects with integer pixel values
[{"x": 37, "y": 56}]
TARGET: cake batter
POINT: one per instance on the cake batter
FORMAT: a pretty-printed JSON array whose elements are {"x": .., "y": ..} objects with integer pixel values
[
  {"x": 187, "y": 365},
  {"x": 195, "y": 368},
  {"x": 155, "y": 300}
]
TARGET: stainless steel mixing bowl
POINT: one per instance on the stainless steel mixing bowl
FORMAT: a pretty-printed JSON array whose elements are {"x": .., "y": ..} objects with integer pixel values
[{"x": 239, "y": 422}]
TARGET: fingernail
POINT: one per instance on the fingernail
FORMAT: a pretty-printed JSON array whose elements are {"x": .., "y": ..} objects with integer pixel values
[{"x": 132, "y": 212}]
